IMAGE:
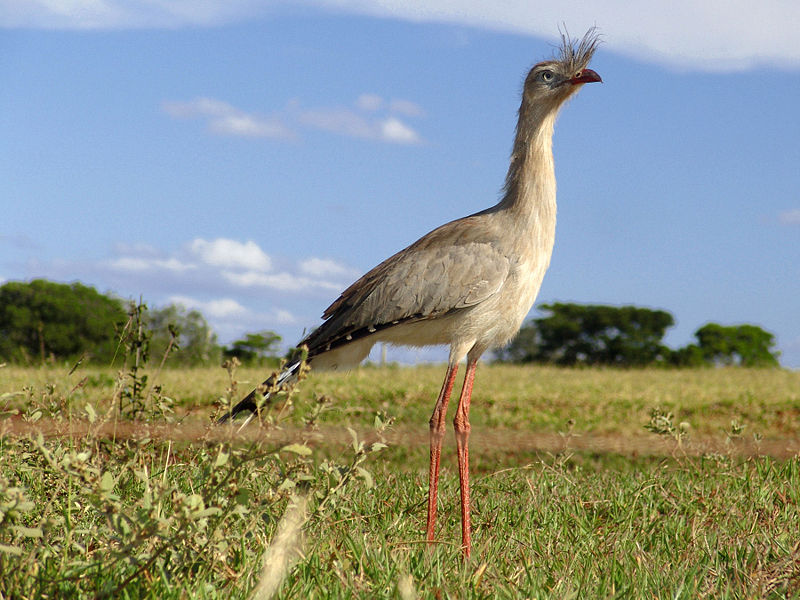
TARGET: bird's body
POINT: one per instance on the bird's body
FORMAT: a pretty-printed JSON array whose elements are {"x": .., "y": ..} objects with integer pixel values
[
  {"x": 469, "y": 283},
  {"x": 496, "y": 287}
]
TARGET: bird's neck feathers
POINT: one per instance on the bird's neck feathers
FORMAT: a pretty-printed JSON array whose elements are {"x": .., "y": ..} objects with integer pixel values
[{"x": 530, "y": 186}]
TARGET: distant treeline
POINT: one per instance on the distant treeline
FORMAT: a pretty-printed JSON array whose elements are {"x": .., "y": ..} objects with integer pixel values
[
  {"x": 631, "y": 336},
  {"x": 42, "y": 321}
]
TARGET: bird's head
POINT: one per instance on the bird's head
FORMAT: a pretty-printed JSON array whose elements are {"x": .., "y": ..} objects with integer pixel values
[{"x": 551, "y": 82}]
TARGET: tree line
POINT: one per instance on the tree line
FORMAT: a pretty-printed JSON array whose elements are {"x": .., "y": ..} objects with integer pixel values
[
  {"x": 42, "y": 320},
  {"x": 631, "y": 336}
]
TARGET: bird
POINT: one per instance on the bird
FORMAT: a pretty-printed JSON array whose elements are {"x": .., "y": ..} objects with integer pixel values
[{"x": 469, "y": 283}]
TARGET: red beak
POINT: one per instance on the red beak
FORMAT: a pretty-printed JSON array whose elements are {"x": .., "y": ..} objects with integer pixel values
[{"x": 585, "y": 76}]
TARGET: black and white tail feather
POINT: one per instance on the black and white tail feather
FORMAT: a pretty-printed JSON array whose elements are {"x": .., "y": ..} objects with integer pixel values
[{"x": 276, "y": 381}]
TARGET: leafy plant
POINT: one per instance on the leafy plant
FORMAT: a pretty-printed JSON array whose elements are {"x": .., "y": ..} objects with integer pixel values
[
  {"x": 661, "y": 423},
  {"x": 117, "y": 515},
  {"x": 135, "y": 339}
]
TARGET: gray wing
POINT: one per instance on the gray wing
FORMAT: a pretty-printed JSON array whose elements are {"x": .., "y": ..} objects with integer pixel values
[
  {"x": 432, "y": 282},
  {"x": 454, "y": 267}
]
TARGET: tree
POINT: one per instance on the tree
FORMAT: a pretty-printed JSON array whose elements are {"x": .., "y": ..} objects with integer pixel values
[
  {"x": 194, "y": 341},
  {"x": 744, "y": 345},
  {"x": 256, "y": 348},
  {"x": 588, "y": 334},
  {"x": 688, "y": 356},
  {"x": 42, "y": 319}
]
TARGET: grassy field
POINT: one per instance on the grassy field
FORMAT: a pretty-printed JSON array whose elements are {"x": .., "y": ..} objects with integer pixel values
[{"x": 587, "y": 484}]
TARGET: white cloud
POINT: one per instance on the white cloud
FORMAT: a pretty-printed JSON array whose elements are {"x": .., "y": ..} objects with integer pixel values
[
  {"x": 225, "y": 307},
  {"x": 247, "y": 279},
  {"x": 230, "y": 319},
  {"x": 325, "y": 267},
  {"x": 217, "y": 309},
  {"x": 138, "y": 263},
  {"x": 286, "y": 282},
  {"x": 225, "y": 119},
  {"x": 130, "y": 263},
  {"x": 124, "y": 14},
  {"x": 360, "y": 123},
  {"x": 338, "y": 120},
  {"x": 394, "y": 130},
  {"x": 221, "y": 262},
  {"x": 285, "y": 317},
  {"x": 231, "y": 254},
  {"x": 790, "y": 217},
  {"x": 248, "y": 126},
  {"x": 702, "y": 36}
]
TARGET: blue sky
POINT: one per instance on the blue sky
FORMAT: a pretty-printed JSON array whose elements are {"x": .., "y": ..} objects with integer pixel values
[{"x": 252, "y": 158}]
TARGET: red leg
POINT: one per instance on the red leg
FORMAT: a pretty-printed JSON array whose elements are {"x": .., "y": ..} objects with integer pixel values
[
  {"x": 462, "y": 427},
  {"x": 437, "y": 435}
]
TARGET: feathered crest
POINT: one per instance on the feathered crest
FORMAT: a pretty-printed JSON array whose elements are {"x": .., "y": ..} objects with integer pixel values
[{"x": 577, "y": 54}]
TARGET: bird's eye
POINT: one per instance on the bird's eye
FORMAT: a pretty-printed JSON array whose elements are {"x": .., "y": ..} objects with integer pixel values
[{"x": 546, "y": 76}]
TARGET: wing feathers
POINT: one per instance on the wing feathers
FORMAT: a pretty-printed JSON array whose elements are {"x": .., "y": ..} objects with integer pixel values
[{"x": 454, "y": 267}]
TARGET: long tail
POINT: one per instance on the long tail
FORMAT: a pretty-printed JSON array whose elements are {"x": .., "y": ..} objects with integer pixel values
[{"x": 249, "y": 402}]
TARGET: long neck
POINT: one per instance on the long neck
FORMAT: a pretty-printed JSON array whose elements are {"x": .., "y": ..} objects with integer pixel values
[{"x": 530, "y": 187}]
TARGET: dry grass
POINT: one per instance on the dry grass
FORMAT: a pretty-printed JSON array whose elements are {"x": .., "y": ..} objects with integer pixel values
[{"x": 541, "y": 401}]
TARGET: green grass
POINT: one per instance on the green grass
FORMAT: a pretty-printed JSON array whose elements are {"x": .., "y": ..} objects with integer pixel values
[
  {"x": 556, "y": 529},
  {"x": 154, "y": 514}
]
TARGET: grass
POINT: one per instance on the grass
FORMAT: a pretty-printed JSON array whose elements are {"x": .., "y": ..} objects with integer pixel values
[
  {"x": 587, "y": 484},
  {"x": 541, "y": 399}
]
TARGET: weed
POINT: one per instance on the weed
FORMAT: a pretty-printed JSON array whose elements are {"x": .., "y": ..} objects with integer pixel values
[
  {"x": 135, "y": 339},
  {"x": 661, "y": 423}
]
